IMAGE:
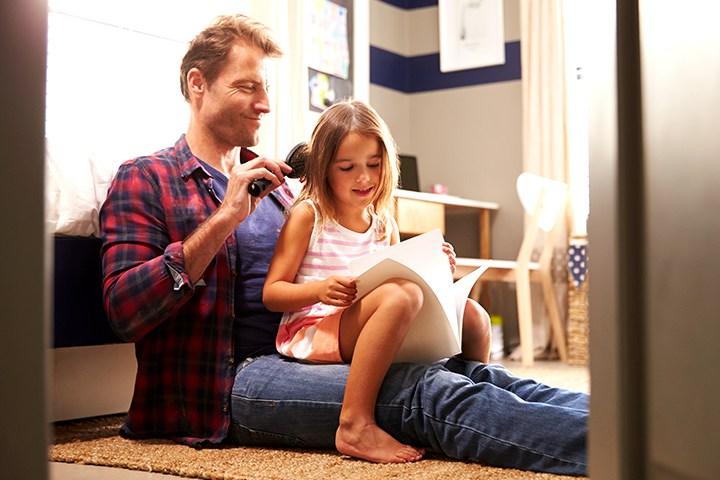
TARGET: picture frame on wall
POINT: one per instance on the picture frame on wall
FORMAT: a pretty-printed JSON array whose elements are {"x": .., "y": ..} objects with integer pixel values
[
  {"x": 472, "y": 34},
  {"x": 330, "y": 52}
]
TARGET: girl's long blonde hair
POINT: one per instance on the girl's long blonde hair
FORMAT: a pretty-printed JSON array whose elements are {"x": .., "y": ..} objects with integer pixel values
[{"x": 334, "y": 125}]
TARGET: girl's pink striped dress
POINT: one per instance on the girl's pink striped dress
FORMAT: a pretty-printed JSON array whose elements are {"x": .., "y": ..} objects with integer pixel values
[{"x": 312, "y": 333}]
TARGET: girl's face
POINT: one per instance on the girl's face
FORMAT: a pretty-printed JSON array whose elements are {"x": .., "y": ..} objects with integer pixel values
[{"x": 354, "y": 174}]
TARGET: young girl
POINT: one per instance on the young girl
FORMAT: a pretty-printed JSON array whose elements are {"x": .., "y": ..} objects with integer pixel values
[{"x": 345, "y": 211}]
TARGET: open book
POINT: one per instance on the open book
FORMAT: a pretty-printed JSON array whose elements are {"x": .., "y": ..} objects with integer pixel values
[{"x": 437, "y": 331}]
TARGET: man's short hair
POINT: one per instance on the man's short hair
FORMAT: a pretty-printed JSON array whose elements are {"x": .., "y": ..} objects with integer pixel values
[{"x": 208, "y": 50}]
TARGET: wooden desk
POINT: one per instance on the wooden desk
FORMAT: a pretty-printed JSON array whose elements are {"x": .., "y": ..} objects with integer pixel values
[{"x": 419, "y": 212}]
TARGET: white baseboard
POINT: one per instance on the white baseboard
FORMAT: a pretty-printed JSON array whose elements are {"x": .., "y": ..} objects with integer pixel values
[{"x": 91, "y": 381}]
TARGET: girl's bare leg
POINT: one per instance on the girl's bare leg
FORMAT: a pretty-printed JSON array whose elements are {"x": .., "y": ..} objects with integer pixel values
[
  {"x": 371, "y": 332},
  {"x": 476, "y": 335}
]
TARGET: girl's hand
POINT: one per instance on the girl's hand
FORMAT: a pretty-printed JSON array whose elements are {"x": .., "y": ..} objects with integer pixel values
[
  {"x": 450, "y": 252},
  {"x": 338, "y": 291}
]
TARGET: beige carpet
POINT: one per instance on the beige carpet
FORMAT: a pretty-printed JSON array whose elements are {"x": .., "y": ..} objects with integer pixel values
[{"x": 96, "y": 442}]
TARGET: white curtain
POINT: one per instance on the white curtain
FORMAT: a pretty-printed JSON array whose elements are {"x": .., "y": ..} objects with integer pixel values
[
  {"x": 545, "y": 126},
  {"x": 286, "y": 76},
  {"x": 544, "y": 88}
]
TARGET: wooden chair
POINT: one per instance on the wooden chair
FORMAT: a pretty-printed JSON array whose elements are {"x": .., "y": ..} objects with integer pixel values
[{"x": 544, "y": 201}]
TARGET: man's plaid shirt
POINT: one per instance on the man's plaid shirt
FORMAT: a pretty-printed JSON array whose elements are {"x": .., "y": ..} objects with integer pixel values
[{"x": 182, "y": 332}]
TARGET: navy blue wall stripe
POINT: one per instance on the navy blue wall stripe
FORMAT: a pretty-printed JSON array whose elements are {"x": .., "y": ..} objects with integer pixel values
[
  {"x": 422, "y": 73},
  {"x": 410, "y": 4},
  {"x": 389, "y": 69}
]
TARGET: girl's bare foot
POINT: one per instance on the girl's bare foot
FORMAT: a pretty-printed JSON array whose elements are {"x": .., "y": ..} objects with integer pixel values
[{"x": 370, "y": 442}]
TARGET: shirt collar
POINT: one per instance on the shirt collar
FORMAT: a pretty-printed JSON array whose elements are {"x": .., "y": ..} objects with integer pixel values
[{"x": 189, "y": 163}]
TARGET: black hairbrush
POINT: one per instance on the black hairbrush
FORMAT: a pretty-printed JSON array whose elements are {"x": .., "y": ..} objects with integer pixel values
[{"x": 296, "y": 159}]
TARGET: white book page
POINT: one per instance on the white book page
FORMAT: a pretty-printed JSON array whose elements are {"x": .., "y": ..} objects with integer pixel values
[
  {"x": 422, "y": 253},
  {"x": 435, "y": 333},
  {"x": 432, "y": 335},
  {"x": 462, "y": 288}
]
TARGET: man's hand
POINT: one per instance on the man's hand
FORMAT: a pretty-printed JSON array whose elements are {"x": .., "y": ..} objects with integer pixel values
[
  {"x": 450, "y": 252},
  {"x": 237, "y": 199},
  {"x": 338, "y": 291}
]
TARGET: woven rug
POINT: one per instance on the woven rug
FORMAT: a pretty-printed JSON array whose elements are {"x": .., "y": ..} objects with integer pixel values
[{"x": 96, "y": 442}]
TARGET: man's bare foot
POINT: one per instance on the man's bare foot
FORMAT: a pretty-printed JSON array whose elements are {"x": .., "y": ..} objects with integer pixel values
[{"x": 370, "y": 442}]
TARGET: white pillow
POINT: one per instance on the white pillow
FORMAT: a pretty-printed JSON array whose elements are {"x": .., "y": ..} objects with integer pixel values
[{"x": 76, "y": 184}]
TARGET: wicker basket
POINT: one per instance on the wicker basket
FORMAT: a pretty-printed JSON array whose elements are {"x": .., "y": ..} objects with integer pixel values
[{"x": 578, "y": 326}]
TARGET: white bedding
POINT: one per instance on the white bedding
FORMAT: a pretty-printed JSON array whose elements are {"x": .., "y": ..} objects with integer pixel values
[{"x": 75, "y": 188}]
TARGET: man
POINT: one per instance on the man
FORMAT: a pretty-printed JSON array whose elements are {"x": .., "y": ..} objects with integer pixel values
[{"x": 185, "y": 254}]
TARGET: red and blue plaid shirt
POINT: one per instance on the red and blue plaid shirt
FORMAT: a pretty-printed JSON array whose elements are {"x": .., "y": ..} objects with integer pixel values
[{"x": 182, "y": 332}]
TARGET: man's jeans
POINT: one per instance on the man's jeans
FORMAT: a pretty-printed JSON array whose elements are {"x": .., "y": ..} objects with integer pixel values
[{"x": 464, "y": 410}]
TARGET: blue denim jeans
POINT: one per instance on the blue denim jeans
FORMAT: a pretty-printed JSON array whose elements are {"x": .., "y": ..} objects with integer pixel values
[{"x": 464, "y": 410}]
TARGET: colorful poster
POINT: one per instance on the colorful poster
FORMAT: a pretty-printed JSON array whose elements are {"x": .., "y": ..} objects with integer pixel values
[
  {"x": 324, "y": 89},
  {"x": 328, "y": 47}
]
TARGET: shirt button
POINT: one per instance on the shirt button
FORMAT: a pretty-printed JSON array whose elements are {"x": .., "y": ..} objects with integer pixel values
[
  {"x": 231, "y": 361},
  {"x": 225, "y": 408}
]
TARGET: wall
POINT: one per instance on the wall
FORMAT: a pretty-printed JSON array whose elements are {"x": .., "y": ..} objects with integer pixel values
[
  {"x": 25, "y": 256},
  {"x": 467, "y": 137},
  {"x": 608, "y": 449},
  {"x": 682, "y": 228},
  {"x": 654, "y": 223}
]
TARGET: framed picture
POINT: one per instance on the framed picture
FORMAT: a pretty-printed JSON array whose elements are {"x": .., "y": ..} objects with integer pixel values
[
  {"x": 325, "y": 89},
  {"x": 472, "y": 34},
  {"x": 330, "y": 52}
]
